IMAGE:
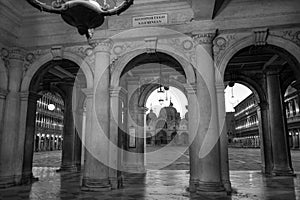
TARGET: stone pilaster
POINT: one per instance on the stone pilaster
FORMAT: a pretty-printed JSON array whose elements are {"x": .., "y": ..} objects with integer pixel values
[
  {"x": 194, "y": 142},
  {"x": 3, "y": 94},
  {"x": 140, "y": 140},
  {"x": 115, "y": 152},
  {"x": 10, "y": 173},
  {"x": 280, "y": 149}
]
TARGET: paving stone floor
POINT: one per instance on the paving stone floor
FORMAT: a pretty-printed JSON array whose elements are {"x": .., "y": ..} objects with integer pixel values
[
  {"x": 159, "y": 184},
  {"x": 155, "y": 185}
]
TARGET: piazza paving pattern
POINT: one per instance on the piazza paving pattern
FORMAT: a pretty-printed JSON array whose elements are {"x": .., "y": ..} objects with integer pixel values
[{"x": 155, "y": 185}]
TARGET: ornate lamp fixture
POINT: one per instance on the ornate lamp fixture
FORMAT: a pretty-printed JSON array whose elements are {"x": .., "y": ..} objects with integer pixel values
[{"x": 85, "y": 15}]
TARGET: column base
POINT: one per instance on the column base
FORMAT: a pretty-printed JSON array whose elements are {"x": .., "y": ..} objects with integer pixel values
[
  {"x": 193, "y": 185},
  {"x": 96, "y": 185},
  {"x": 210, "y": 188},
  {"x": 68, "y": 168},
  {"x": 135, "y": 169},
  {"x": 227, "y": 186},
  {"x": 278, "y": 172},
  {"x": 116, "y": 183},
  {"x": 28, "y": 178},
  {"x": 7, "y": 181}
]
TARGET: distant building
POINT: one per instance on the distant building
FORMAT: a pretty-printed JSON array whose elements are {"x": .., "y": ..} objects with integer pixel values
[
  {"x": 167, "y": 127},
  {"x": 246, "y": 123},
  {"x": 49, "y": 123}
]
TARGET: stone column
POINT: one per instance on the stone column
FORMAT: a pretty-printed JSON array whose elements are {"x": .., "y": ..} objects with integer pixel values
[
  {"x": 209, "y": 154},
  {"x": 223, "y": 138},
  {"x": 9, "y": 154},
  {"x": 277, "y": 126},
  {"x": 194, "y": 141},
  {"x": 96, "y": 171},
  {"x": 140, "y": 139},
  {"x": 28, "y": 111},
  {"x": 68, "y": 162}
]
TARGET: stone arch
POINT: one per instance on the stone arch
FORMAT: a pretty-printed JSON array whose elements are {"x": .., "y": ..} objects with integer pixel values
[
  {"x": 255, "y": 88},
  {"x": 166, "y": 48},
  {"x": 287, "y": 45},
  {"x": 84, "y": 66},
  {"x": 122, "y": 62},
  {"x": 3, "y": 76},
  {"x": 149, "y": 89}
]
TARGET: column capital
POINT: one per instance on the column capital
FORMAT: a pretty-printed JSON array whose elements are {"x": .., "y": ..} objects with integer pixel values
[
  {"x": 142, "y": 110},
  {"x": 101, "y": 45},
  {"x": 89, "y": 92},
  {"x": 203, "y": 38},
  {"x": 220, "y": 88},
  {"x": 13, "y": 54},
  {"x": 117, "y": 91},
  {"x": 191, "y": 88},
  {"x": 30, "y": 96},
  {"x": 272, "y": 72},
  {"x": 263, "y": 105}
]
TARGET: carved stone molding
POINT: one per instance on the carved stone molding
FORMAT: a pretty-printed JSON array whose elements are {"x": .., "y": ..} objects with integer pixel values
[
  {"x": 101, "y": 45},
  {"x": 204, "y": 38},
  {"x": 292, "y": 35},
  {"x": 260, "y": 36},
  {"x": 221, "y": 42},
  {"x": 13, "y": 54},
  {"x": 224, "y": 41}
]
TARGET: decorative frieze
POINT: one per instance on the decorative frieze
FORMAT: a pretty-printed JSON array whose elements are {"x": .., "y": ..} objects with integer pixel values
[
  {"x": 204, "y": 38},
  {"x": 292, "y": 35},
  {"x": 101, "y": 45}
]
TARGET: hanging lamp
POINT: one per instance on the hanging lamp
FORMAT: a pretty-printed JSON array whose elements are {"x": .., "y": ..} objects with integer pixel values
[{"x": 85, "y": 15}]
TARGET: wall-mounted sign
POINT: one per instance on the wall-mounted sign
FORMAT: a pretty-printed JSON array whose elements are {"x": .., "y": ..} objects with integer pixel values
[
  {"x": 150, "y": 20},
  {"x": 131, "y": 137}
]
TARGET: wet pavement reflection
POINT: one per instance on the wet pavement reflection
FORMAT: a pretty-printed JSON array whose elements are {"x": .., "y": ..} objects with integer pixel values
[{"x": 156, "y": 184}]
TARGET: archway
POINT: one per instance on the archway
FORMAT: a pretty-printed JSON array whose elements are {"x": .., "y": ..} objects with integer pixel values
[
  {"x": 291, "y": 106},
  {"x": 143, "y": 75},
  {"x": 242, "y": 127},
  {"x": 267, "y": 69},
  {"x": 54, "y": 79}
]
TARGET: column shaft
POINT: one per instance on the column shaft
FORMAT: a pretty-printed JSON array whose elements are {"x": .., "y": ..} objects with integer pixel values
[
  {"x": 68, "y": 162},
  {"x": 209, "y": 154},
  {"x": 194, "y": 141},
  {"x": 277, "y": 127},
  {"x": 140, "y": 140},
  {"x": 28, "y": 108},
  {"x": 265, "y": 137},
  {"x": 96, "y": 171}
]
